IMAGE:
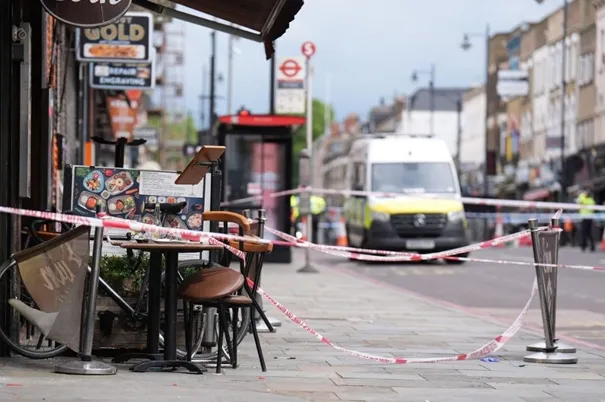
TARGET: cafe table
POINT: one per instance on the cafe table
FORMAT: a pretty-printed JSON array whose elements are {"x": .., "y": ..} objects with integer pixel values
[{"x": 170, "y": 250}]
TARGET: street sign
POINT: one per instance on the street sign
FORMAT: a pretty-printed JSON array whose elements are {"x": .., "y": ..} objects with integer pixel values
[
  {"x": 308, "y": 49},
  {"x": 290, "y": 68},
  {"x": 290, "y": 86},
  {"x": 512, "y": 83}
]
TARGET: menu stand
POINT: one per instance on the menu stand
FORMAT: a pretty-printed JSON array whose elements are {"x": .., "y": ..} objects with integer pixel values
[
  {"x": 206, "y": 160},
  {"x": 120, "y": 145}
]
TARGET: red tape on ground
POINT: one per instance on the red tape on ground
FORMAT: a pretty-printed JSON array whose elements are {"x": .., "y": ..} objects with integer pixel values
[{"x": 488, "y": 348}]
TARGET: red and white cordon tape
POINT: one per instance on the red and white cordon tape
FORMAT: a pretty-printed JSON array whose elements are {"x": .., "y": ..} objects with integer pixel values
[
  {"x": 489, "y": 348},
  {"x": 464, "y": 200},
  {"x": 116, "y": 223},
  {"x": 392, "y": 256},
  {"x": 125, "y": 224}
]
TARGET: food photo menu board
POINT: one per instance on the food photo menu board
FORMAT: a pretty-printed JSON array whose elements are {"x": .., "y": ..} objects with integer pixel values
[{"x": 124, "y": 192}]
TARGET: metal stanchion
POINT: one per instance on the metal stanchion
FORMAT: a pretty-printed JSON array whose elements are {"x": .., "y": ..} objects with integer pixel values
[
  {"x": 304, "y": 206},
  {"x": 260, "y": 325},
  {"x": 545, "y": 245},
  {"x": 87, "y": 366}
]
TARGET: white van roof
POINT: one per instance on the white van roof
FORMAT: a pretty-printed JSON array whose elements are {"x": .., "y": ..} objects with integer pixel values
[{"x": 403, "y": 148}]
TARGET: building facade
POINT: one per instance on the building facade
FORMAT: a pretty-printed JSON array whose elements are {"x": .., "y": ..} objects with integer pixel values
[
  {"x": 441, "y": 117},
  {"x": 472, "y": 152}
]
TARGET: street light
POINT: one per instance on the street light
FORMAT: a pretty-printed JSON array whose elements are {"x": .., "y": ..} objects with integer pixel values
[
  {"x": 431, "y": 73},
  {"x": 563, "y": 192},
  {"x": 466, "y": 45}
]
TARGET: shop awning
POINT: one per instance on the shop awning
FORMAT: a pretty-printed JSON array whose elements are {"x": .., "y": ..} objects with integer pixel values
[{"x": 258, "y": 20}]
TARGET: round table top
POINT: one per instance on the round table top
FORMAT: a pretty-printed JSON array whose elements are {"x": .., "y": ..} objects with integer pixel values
[{"x": 178, "y": 247}]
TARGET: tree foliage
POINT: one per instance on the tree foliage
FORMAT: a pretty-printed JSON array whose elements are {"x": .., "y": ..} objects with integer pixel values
[{"x": 299, "y": 142}]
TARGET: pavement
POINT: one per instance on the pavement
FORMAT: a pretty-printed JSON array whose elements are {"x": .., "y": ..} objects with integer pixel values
[
  {"x": 499, "y": 290},
  {"x": 378, "y": 316}
]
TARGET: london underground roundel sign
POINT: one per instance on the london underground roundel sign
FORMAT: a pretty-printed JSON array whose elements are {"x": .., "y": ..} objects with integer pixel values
[{"x": 86, "y": 13}]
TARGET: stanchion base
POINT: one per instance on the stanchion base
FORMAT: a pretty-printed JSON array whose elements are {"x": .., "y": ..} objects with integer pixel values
[
  {"x": 261, "y": 328},
  {"x": 308, "y": 269},
  {"x": 79, "y": 367},
  {"x": 541, "y": 347},
  {"x": 551, "y": 358},
  {"x": 274, "y": 321}
]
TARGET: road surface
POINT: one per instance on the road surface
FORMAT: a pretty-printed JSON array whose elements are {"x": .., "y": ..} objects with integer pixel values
[{"x": 502, "y": 290}]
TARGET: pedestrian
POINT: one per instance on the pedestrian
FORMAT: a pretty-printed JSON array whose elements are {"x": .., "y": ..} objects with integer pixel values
[{"x": 587, "y": 223}]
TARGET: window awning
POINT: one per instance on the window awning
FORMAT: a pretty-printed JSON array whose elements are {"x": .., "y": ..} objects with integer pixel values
[{"x": 264, "y": 20}]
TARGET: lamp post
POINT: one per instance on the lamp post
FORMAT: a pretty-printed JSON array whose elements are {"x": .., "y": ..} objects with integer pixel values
[
  {"x": 466, "y": 45},
  {"x": 563, "y": 192},
  {"x": 431, "y": 73}
]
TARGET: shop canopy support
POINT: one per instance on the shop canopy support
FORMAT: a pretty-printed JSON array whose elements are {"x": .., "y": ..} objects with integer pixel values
[{"x": 217, "y": 26}]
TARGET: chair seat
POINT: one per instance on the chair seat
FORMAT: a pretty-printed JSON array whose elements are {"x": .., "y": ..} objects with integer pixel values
[
  {"x": 211, "y": 284},
  {"x": 250, "y": 247},
  {"x": 236, "y": 300}
]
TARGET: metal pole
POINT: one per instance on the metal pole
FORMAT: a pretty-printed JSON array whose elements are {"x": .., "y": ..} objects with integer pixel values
[
  {"x": 486, "y": 90},
  {"x": 230, "y": 77},
  {"x": 432, "y": 99},
  {"x": 86, "y": 366},
  {"x": 309, "y": 74},
  {"x": 458, "y": 133},
  {"x": 562, "y": 193},
  {"x": 212, "y": 78},
  {"x": 272, "y": 86}
]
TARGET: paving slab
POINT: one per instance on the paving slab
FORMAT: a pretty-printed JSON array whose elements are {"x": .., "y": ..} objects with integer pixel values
[{"x": 354, "y": 313}]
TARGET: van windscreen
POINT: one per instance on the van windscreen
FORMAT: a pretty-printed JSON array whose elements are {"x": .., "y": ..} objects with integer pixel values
[{"x": 413, "y": 177}]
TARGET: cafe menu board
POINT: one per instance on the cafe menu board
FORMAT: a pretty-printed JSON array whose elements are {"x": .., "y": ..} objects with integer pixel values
[
  {"x": 124, "y": 192},
  {"x": 127, "y": 40}
]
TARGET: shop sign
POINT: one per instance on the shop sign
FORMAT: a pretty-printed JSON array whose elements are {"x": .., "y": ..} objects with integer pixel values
[
  {"x": 121, "y": 116},
  {"x": 127, "y": 40},
  {"x": 118, "y": 76},
  {"x": 86, "y": 13}
]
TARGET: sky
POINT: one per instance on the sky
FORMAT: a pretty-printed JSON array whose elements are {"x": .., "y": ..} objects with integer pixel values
[{"x": 366, "y": 50}]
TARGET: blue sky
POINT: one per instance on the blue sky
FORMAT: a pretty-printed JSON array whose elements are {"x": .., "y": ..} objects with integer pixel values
[{"x": 366, "y": 49}]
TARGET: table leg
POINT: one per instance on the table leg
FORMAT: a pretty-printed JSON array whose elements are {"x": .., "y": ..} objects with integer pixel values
[
  {"x": 154, "y": 302},
  {"x": 170, "y": 313},
  {"x": 170, "y": 305}
]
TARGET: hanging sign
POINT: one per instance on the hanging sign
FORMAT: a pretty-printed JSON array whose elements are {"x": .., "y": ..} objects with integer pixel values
[
  {"x": 127, "y": 40},
  {"x": 121, "y": 116},
  {"x": 86, "y": 13}
]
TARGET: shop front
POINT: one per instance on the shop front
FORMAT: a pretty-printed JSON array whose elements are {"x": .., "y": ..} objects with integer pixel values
[{"x": 43, "y": 96}]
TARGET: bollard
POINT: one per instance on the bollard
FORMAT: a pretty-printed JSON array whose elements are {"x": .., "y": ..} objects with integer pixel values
[
  {"x": 545, "y": 245},
  {"x": 87, "y": 366}
]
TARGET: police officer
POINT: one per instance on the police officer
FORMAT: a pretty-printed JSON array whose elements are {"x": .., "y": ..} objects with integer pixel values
[
  {"x": 586, "y": 228},
  {"x": 318, "y": 207}
]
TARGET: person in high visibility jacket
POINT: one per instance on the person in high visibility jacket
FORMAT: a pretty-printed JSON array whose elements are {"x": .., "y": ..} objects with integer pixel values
[
  {"x": 585, "y": 198},
  {"x": 318, "y": 207}
]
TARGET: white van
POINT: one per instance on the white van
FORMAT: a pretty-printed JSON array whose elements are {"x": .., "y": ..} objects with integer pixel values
[{"x": 427, "y": 217}]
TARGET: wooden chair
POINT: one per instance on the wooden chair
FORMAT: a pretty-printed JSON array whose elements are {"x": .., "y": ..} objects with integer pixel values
[{"x": 200, "y": 289}]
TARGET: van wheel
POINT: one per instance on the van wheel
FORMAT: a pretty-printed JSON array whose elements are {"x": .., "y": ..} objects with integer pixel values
[{"x": 458, "y": 262}]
